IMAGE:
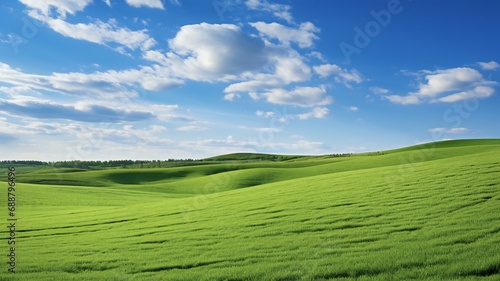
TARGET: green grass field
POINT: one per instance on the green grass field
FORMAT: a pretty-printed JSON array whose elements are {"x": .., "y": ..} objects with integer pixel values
[{"x": 427, "y": 212}]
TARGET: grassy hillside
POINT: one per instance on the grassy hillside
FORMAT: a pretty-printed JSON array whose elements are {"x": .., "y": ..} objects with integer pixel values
[{"x": 428, "y": 212}]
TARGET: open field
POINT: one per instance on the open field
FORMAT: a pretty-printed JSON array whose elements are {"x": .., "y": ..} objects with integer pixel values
[{"x": 428, "y": 212}]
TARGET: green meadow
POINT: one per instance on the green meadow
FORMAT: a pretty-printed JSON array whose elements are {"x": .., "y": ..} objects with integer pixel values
[{"x": 426, "y": 212}]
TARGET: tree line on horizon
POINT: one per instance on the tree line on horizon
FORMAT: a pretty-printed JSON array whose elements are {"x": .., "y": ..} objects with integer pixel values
[
  {"x": 100, "y": 164},
  {"x": 82, "y": 164}
]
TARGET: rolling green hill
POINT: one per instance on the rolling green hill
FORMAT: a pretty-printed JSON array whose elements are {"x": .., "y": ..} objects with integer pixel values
[{"x": 427, "y": 212}]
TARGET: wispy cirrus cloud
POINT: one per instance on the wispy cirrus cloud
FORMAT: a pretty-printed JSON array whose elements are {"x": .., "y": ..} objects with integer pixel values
[
  {"x": 317, "y": 112},
  {"x": 89, "y": 113},
  {"x": 341, "y": 75},
  {"x": 190, "y": 128},
  {"x": 378, "y": 90},
  {"x": 267, "y": 114},
  {"x": 268, "y": 129},
  {"x": 107, "y": 84},
  {"x": 304, "y": 35},
  {"x": 458, "y": 130},
  {"x": 96, "y": 31},
  {"x": 62, "y": 7},
  {"x": 103, "y": 33},
  {"x": 194, "y": 126},
  {"x": 231, "y": 96},
  {"x": 299, "y": 96},
  {"x": 278, "y": 10}
]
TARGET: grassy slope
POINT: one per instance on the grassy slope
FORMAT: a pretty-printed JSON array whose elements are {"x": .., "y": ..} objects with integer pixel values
[
  {"x": 192, "y": 180},
  {"x": 421, "y": 214}
]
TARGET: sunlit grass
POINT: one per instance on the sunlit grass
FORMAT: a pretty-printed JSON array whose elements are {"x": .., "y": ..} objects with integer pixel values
[{"x": 427, "y": 213}]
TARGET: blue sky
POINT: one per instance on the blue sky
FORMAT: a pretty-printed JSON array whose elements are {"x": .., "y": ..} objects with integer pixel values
[{"x": 159, "y": 79}]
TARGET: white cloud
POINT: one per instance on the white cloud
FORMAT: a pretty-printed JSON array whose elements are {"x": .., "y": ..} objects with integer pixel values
[
  {"x": 492, "y": 65},
  {"x": 254, "y": 96},
  {"x": 86, "y": 141},
  {"x": 300, "y": 96},
  {"x": 404, "y": 100},
  {"x": 448, "y": 85},
  {"x": 326, "y": 70},
  {"x": 286, "y": 67},
  {"x": 253, "y": 86},
  {"x": 18, "y": 91},
  {"x": 100, "y": 32},
  {"x": 229, "y": 145},
  {"x": 156, "y": 56},
  {"x": 199, "y": 52},
  {"x": 24, "y": 101},
  {"x": 194, "y": 126},
  {"x": 154, "y": 78},
  {"x": 292, "y": 69},
  {"x": 279, "y": 10},
  {"x": 379, "y": 91},
  {"x": 231, "y": 96},
  {"x": 268, "y": 130},
  {"x": 223, "y": 52},
  {"x": 264, "y": 65},
  {"x": 317, "y": 55},
  {"x": 175, "y": 2},
  {"x": 38, "y": 128},
  {"x": 208, "y": 52},
  {"x": 267, "y": 114},
  {"x": 106, "y": 84},
  {"x": 219, "y": 48},
  {"x": 475, "y": 93},
  {"x": 62, "y": 7},
  {"x": 303, "y": 36},
  {"x": 88, "y": 113},
  {"x": 165, "y": 112},
  {"x": 106, "y": 137},
  {"x": 447, "y": 80},
  {"x": 460, "y": 130},
  {"x": 317, "y": 112},
  {"x": 282, "y": 116},
  {"x": 189, "y": 128},
  {"x": 340, "y": 75},
  {"x": 146, "y": 3}
]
